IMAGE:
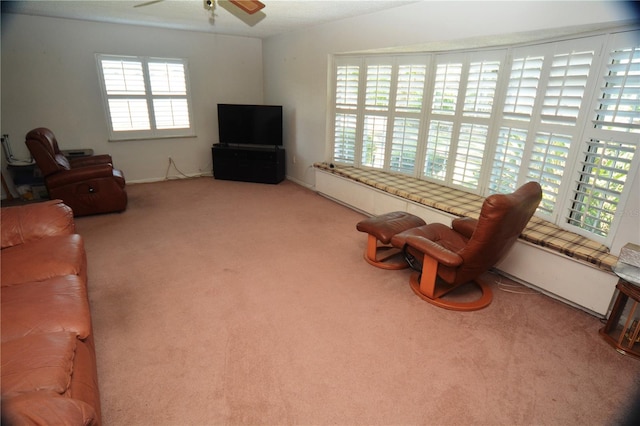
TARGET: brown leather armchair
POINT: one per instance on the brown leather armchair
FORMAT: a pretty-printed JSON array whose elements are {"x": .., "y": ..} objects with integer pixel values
[
  {"x": 89, "y": 185},
  {"x": 448, "y": 257}
]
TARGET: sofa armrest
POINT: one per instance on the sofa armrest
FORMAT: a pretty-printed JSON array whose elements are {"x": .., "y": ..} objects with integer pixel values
[{"x": 30, "y": 222}]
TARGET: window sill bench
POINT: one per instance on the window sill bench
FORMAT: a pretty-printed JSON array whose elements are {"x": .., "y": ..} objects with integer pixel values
[{"x": 539, "y": 233}]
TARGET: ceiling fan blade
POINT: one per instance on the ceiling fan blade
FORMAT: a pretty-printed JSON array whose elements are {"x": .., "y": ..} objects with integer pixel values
[
  {"x": 149, "y": 3},
  {"x": 249, "y": 6}
]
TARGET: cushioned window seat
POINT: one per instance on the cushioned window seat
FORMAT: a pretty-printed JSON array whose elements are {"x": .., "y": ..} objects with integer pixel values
[{"x": 459, "y": 203}]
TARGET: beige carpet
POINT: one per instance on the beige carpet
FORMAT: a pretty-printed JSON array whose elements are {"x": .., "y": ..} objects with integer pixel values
[{"x": 221, "y": 302}]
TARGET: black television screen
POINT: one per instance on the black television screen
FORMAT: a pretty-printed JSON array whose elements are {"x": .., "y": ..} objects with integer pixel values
[{"x": 250, "y": 124}]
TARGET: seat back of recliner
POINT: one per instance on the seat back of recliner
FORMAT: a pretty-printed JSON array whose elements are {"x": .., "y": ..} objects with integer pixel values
[
  {"x": 43, "y": 147},
  {"x": 502, "y": 219}
]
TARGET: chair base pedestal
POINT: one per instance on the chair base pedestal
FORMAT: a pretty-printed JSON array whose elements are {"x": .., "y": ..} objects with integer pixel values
[{"x": 434, "y": 294}]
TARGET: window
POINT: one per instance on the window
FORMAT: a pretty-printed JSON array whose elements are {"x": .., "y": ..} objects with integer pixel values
[
  {"x": 545, "y": 97},
  {"x": 462, "y": 101},
  {"x": 377, "y": 112},
  {"x": 563, "y": 113},
  {"x": 608, "y": 157},
  {"x": 145, "y": 97}
]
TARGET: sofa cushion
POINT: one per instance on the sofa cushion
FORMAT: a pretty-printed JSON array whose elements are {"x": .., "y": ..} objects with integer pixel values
[
  {"x": 38, "y": 362},
  {"x": 46, "y": 408},
  {"x": 43, "y": 259},
  {"x": 56, "y": 304},
  {"x": 22, "y": 224}
]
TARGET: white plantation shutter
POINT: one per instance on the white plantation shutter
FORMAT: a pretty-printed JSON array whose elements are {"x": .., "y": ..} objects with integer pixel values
[
  {"x": 546, "y": 90},
  {"x": 409, "y": 95},
  {"x": 378, "y": 88},
  {"x": 344, "y": 149},
  {"x": 619, "y": 107},
  {"x": 547, "y": 165},
  {"x": 123, "y": 77},
  {"x": 374, "y": 141},
  {"x": 145, "y": 98},
  {"x": 345, "y": 120},
  {"x": 125, "y": 88},
  {"x": 404, "y": 144},
  {"x": 600, "y": 184},
  {"x": 481, "y": 88},
  {"x": 469, "y": 155},
  {"x": 169, "y": 91},
  {"x": 410, "y": 88},
  {"x": 438, "y": 148},
  {"x": 523, "y": 87},
  {"x": 377, "y": 112},
  {"x": 462, "y": 101},
  {"x": 565, "y": 87},
  {"x": 609, "y": 154},
  {"x": 377, "y": 100},
  {"x": 347, "y": 80},
  {"x": 171, "y": 113},
  {"x": 507, "y": 160},
  {"x": 129, "y": 114},
  {"x": 445, "y": 92}
]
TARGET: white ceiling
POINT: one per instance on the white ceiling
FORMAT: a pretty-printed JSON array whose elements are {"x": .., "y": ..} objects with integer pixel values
[{"x": 279, "y": 16}]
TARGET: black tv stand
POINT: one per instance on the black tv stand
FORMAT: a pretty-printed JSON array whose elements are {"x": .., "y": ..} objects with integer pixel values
[{"x": 248, "y": 163}]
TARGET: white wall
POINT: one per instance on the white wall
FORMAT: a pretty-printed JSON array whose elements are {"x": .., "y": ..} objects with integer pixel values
[
  {"x": 296, "y": 64},
  {"x": 50, "y": 78}
]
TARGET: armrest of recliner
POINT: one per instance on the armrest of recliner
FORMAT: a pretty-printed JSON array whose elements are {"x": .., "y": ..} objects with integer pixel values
[
  {"x": 464, "y": 225},
  {"x": 79, "y": 175},
  {"x": 90, "y": 160},
  {"x": 434, "y": 250}
]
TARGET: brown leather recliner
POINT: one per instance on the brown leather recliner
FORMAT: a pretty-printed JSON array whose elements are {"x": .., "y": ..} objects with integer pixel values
[
  {"x": 448, "y": 257},
  {"x": 89, "y": 185}
]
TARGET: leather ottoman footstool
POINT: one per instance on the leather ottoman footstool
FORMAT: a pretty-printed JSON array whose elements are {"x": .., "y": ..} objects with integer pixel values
[{"x": 381, "y": 229}]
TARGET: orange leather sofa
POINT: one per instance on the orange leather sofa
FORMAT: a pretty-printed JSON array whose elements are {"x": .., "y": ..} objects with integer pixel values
[{"x": 48, "y": 371}]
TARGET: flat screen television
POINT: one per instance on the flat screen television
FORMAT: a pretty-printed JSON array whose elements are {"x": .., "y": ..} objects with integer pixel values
[{"x": 250, "y": 124}]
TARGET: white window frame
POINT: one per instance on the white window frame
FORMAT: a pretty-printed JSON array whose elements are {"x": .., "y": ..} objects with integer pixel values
[
  {"x": 155, "y": 128},
  {"x": 571, "y": 129}
]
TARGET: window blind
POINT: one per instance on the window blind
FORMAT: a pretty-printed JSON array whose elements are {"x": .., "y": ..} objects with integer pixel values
[
  {"x": 374, "y": 141},
  {"x": 565, "y": 87},
  {"x": 481, "y": 88},
  {"x": 469, "y": 155},
  {"x": 507, "y": 160},
  {"x": 601, "y": 181},
  {"x": 523, "y": 87},
  {"x": 547, "y": 165},
  {"x": 445, "y": 93},
  {"x": 438, "y": 147},
  {"x": 145, "y": 98},
  {"x": 619, "y": 107}
]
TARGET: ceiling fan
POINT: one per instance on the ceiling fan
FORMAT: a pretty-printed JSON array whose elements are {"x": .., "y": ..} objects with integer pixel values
[{"x": 249, "y": 6}]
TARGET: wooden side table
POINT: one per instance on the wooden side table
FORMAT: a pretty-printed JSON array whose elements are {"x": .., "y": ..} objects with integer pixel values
[{"x": 622, "y": 330}]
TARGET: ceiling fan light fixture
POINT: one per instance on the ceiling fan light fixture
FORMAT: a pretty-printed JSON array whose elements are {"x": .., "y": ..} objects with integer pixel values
[{"x": 249, "y": 6}]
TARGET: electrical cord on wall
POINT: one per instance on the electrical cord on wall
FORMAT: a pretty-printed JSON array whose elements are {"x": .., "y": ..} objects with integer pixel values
[
  {"x": 172, "y": 163},
  {"x": 512, "y": 287}
]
